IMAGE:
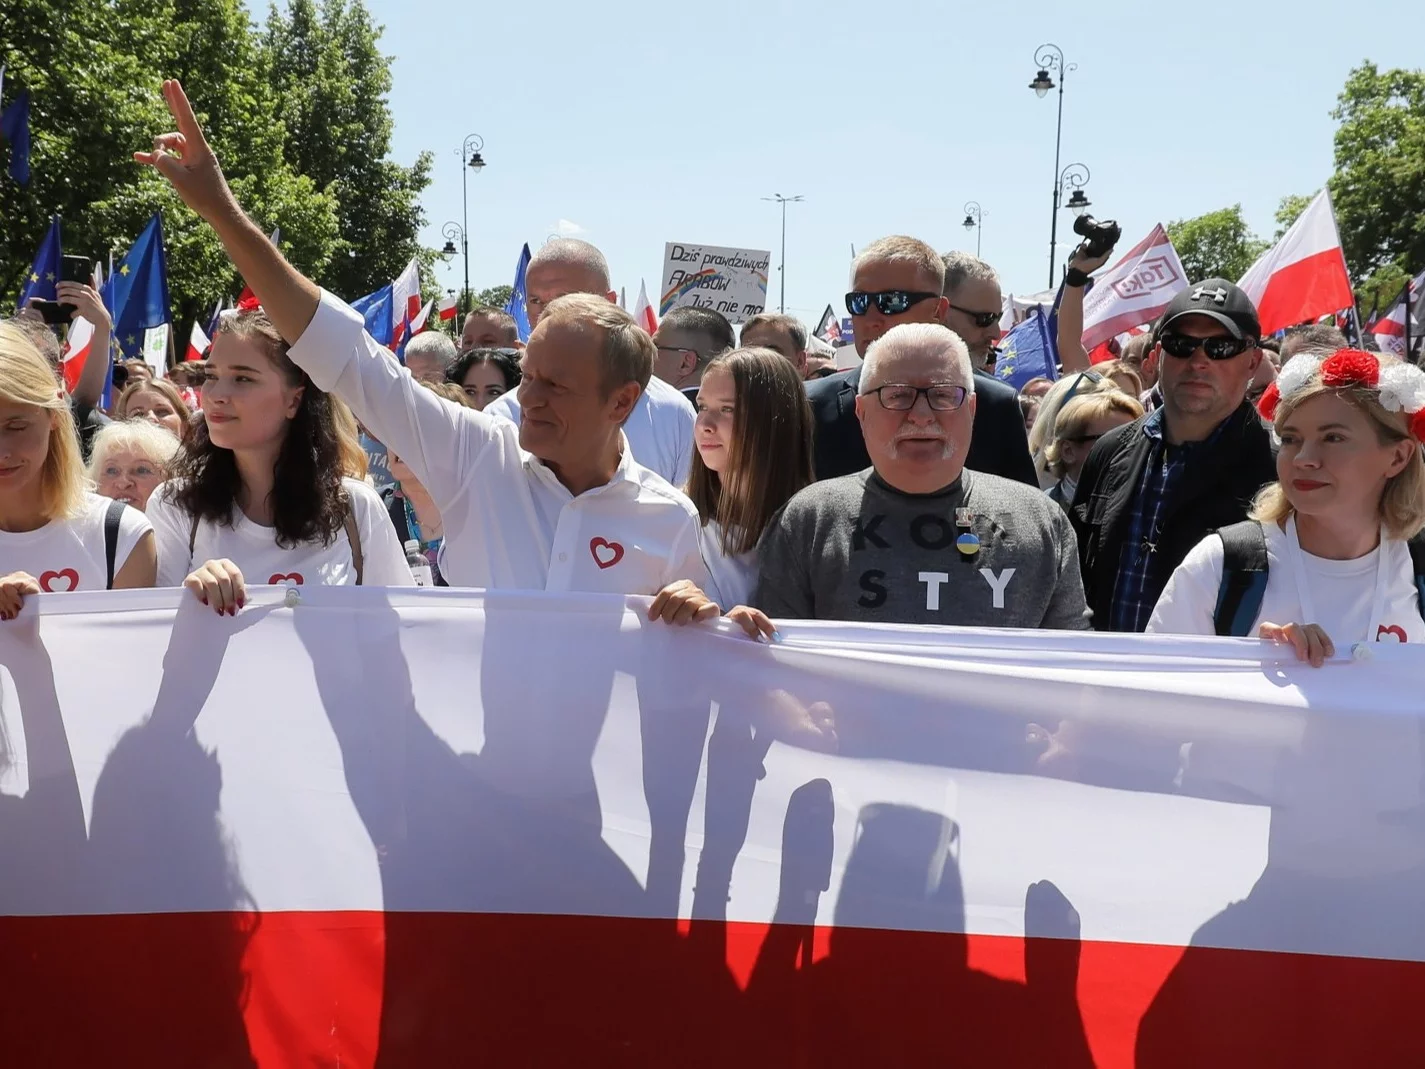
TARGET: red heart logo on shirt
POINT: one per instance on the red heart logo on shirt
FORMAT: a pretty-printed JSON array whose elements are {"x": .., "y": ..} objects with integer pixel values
[
  {"x": 606, "y": 554},
  {"x": 48, "y": 579},
  {"x": 293, "y": 578},
  {"x": 1397, "y": 633}
]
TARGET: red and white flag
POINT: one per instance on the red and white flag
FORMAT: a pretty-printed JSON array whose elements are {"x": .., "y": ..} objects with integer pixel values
[
  {"x": 446, "y": 308},
  {"x": 1135, "y": 290},
  {"x": 79, "y": 341},
  {"x": 1389, "y": 329},
  {"x": 422, "y": 318},
  {"x": 1303, "y": 276},
  {"x": 405, "y": 302},
  {"x": 643, "y": 311},
  {"x": 198, "y": 343}
]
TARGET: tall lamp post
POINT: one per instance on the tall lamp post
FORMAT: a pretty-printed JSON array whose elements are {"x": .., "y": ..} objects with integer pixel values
[
  {"x": 1077, "y": 176},
  {"x": 975, "y": 220},
  {"x": 470, "y": 160},
  {"x": 784, "y": 201},
  {"x": 453, "y": 231},
  {"x": 1051, "y": 58}
]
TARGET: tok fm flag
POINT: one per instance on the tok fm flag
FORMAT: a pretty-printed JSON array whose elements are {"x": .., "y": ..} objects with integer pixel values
[
  {"x": 516, "y": 304},
  {"x": 643, "y": 311},
  {"x": 446, "y": 308},
  {"x": 1135, "y": 290},
  {"x": 1027, "y": 352},
  {"x": 137, "y": 291},
  {"x": 1303, "y": 275},
  {"x": 44, "y": 272},
  {"x": 15, "y": 132}
]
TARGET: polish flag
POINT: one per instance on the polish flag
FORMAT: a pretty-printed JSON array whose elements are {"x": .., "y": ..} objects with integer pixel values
[
  {"x": 77, "y": 347},
  {"x": 405, "y": 302},
  {"x": 643, "y": 312},
  {"x": 1135, "y": 290},
  {"x": 422, "y": 317},
  {"x": 446, "y": 308},
  {"x": 198, "y": 343},
  {"x": 1302, "y": 276}
]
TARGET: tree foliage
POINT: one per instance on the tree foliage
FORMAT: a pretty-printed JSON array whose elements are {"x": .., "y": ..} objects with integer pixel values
[
  {"x": 1216, "y": 245},
  {"x": 1289, "y": 211},
  {"x": 494, "y": 297}
]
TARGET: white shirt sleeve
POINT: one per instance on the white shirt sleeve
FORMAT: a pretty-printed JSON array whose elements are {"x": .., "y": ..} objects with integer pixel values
[
  {"x": 171, "y": 528},
  {"x": 384, "y": 558},
  {"x": 133, "y": 525},
  {"x": 1189, "y": 601},
  {"x": 438, "y": 439}
]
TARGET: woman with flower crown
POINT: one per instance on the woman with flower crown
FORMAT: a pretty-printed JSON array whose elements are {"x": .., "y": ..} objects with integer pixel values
[{"x": 1337, "y": 524}]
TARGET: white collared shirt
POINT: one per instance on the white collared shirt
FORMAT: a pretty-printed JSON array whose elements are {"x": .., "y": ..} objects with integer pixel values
[
  {"x": 659, "y": 429},
  {"x": 510, "y": 524}
]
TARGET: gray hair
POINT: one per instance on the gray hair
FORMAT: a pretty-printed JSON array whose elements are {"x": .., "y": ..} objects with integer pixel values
[
  {"x": 902, "y": 249},
  {"x": 574, "y": 251},
  {"x": 935, "y": 337},
  {"x": 436, "y": 343},
  {"x": 961, "y": 267},
  {"x": 139, "y": 436}
]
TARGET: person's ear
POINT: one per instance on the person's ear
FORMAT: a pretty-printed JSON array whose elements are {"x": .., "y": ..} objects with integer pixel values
[
  {"x": 942, "y": 309},
  {"x": 622, "y": 401},
  {"x": 689, "y": 364},
  {"x": 295, "y": 402},
  {"x": 1403, "y": 450},
  {"x": 861, "y": 408}
]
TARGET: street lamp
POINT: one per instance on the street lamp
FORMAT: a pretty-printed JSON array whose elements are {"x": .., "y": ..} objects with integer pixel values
[
  {"x": 453, "y": 232},
  {"x": 1075, "y": 176},
  {"x": 1051, "y": 57},
  {"x": 470, "y": 160},
  {"x": 975, "y": 220},
  {"x": 784, "y": 201}
]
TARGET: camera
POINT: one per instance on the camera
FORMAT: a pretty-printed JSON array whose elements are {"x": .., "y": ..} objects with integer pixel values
[{"x": 1099, "y": 238}]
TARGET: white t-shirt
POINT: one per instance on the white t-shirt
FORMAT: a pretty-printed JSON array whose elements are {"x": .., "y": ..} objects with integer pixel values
[
  {"x": 659, "y": 429},
  {"x": 69, "y": 554},
  {"x": 733, "y": 577},
  {"x": 254, "y": 549},
  {"x": 1342, "y": 593},
  {"x": 510, "y": 524}
]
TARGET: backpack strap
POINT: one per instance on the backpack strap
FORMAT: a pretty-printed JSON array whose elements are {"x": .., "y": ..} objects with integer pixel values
[
  {"x": 1244, "y": 578},
  {"x": 353, "y": 535},
  {"x": 1417, "y": 559},
  {"x": 192, "y": 540},
  {"x": 113, "y": 517}
]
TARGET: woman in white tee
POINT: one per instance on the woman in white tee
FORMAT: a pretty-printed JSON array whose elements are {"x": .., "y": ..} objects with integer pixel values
[
  {"x": 258, "y": 493},
  {"x": 1350, "y": 494},
  {"x": 54, "y": 534},
  {"x": 753, "y": 452}
]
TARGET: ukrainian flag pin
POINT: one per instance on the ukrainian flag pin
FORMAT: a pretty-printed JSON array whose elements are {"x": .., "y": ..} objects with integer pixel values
[{"x": 968, "y": 544}]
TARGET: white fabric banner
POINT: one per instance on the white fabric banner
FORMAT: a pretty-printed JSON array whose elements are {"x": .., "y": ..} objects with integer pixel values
[{"x": 407, "y": 828}]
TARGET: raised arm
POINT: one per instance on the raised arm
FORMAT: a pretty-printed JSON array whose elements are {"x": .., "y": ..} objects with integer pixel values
[{"x": 1072, "y": 353}]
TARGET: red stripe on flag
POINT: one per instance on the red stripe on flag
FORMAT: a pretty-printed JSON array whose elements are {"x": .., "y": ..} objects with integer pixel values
[{"x": 1315, "y": 286}]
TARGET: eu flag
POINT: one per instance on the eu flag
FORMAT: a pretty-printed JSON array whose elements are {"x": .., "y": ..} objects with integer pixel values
[
  {"x": 136, "y": 292},
  {"x": 44, "y": 272},
  {"x": 375, "y": 308},
  {"x": 516, "y": 307},
  {"x": 15, "y": 131},
  {"x": 1027, "y": 352}
]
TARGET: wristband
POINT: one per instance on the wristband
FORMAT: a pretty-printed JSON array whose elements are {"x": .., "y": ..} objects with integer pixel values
[{"x": 1075, "y": 278}]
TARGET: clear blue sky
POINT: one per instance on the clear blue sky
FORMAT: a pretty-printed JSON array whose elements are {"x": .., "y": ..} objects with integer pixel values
[{"x": 633, "y": 124}]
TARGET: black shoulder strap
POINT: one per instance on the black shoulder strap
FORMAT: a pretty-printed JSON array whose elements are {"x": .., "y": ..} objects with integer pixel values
[
  {"x": 1417, "y": 558},
  {"x": 1244, "y": 578},
  {"x": 112, "y": 518}
]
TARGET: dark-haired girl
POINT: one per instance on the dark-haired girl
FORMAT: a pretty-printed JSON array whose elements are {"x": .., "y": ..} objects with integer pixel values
[
  {"x": 258, "y": 492},
  {"x": 485, "y": 374}
]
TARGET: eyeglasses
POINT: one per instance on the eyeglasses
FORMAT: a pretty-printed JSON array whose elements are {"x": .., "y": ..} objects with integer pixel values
[
  {"x": 898, "y": 397},
  {"x": 1183, "y": 346},
  {"x": 980, "y": 319},
  {"x": 1083, "y": 439},
  {"x": 1083, "y": 376},
  {"x": 889, "y": 302},
  {"x": 678, "y": 350}
]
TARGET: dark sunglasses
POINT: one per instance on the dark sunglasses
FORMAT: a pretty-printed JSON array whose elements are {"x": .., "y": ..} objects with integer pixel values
[
  {"x": 890, "y": 302},
  {"x": 1183, "y": 346},
  {"x": 980, "y": 319},
  {"x": 1082, "y": 377}
]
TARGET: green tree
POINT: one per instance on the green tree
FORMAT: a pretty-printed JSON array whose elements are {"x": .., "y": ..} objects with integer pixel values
[
  {"x": 331, "y": 83},
  {"x": 494, "y": 297},
  {"x": 1216, "y": 245},
  {"x": 1289, "y": 211}
]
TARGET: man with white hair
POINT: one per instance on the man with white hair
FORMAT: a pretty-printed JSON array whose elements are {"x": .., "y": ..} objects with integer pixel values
[
  {"x": 660, "y": 428},
  {"x": 429, "y": 356},
  {"x": 919, "y": 538}
]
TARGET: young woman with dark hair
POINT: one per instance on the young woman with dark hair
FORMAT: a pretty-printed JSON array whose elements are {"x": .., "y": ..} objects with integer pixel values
[
  {"x": 753, "y": 437},
  {"x": 485, "y": 374},
  {"x": 259, "y": 491}
]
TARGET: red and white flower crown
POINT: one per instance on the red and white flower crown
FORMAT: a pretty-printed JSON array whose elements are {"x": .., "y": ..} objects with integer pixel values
[{"x": 1401, "y": 386}]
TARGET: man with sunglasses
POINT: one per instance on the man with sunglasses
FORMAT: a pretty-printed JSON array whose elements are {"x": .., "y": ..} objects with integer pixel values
[
  {"x": 686, "y": 340},
  {"x": 1153, "y": 489},
  {"x": 901, "y": 280},
  {"x": 919, "y": 538},
  {"x": 974, "y": 306}
]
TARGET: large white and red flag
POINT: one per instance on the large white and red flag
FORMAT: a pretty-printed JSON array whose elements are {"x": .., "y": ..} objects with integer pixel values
[
  {"x": 1135, "y": 290},
  {"x": 405, "y": 303},
  {"x": 643, "y": 312},
  {"x": 367, "y": 827},
  {"x": 1303, "y": 276},
  {"x": 1390, "y": 328}
]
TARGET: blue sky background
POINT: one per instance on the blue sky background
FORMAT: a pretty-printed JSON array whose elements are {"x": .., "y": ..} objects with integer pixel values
[{"x": 633, "y": 124}]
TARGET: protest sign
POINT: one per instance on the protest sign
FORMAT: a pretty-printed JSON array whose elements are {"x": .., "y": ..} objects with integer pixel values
[{"x": 730, "y": 281}]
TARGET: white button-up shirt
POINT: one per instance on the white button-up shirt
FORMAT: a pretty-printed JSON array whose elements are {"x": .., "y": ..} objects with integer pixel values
[
  {"x": 510, "y": 524},
  {"x": 659, "y": 429}
]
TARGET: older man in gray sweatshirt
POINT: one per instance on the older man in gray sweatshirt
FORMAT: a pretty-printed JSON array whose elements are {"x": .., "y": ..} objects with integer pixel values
[{"x": 917, "y": 538}]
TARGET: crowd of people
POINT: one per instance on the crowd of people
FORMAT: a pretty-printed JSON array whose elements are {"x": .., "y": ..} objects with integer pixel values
[{"x": 1207, "y": 481}]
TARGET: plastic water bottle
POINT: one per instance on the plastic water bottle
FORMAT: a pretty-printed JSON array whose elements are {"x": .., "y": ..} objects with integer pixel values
[{"x": 420, "y": 567}]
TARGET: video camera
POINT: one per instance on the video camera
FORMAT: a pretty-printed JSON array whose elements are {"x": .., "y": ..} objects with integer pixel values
[{"x": 1099, "y": 238}]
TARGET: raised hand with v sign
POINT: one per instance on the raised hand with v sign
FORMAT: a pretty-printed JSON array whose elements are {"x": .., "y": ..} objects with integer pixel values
[{"x": 184, "y": 158}]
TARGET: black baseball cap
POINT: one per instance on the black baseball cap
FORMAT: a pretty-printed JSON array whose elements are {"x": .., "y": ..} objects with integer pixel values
[{"x": 1217, "y": 299}]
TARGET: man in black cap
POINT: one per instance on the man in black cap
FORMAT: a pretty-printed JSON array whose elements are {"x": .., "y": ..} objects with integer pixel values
[{"x": 1153, "y": 489}]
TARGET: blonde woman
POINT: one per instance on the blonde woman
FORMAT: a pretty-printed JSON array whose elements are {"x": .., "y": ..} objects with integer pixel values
[
  {"x": 55, "y": 535},
  {"x": 1326, "y": 561},
  {"x": 130, "y": 460},
  {"x": 1065, "y": 390},
  {"x": 1078, "y": 427},
  {"x": 156, "y": 401}
]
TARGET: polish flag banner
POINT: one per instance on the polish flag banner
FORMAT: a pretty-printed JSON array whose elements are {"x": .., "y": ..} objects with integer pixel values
[
  {"x": 1303, "y": 276},
  {"x": 405, "y": 302},
  {"x": 198, "y": 343},
  {"x": 643, "y": 312},
  {"x": 299, "y": 836},
  {"x": 446, "y": 309},
  {"x": 76, "y": 350},
  {"x": 1135, "y": 290},
  {"x": 422, "y": 317}
]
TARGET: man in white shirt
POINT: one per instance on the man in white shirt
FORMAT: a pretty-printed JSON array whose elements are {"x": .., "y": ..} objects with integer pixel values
[
  {"x": 559, "y": 504},
  {"x": 660, "y": 428}
]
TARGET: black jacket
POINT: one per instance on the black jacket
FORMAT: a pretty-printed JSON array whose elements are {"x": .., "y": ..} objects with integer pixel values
[
  {"x": 999, "y": 445},
  {"x": 1217, "y": 490}
]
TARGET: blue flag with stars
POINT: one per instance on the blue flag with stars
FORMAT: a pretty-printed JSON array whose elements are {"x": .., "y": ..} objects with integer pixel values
[
  {"x": 516, "y": 307},
  {"x": 375, "y": 309},
  {"x": 44, "y": 272},
  {"x": 1027, "y": 353},
  {"x": 136, "y": 293},
  {"x": 15, "y": 131}
]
